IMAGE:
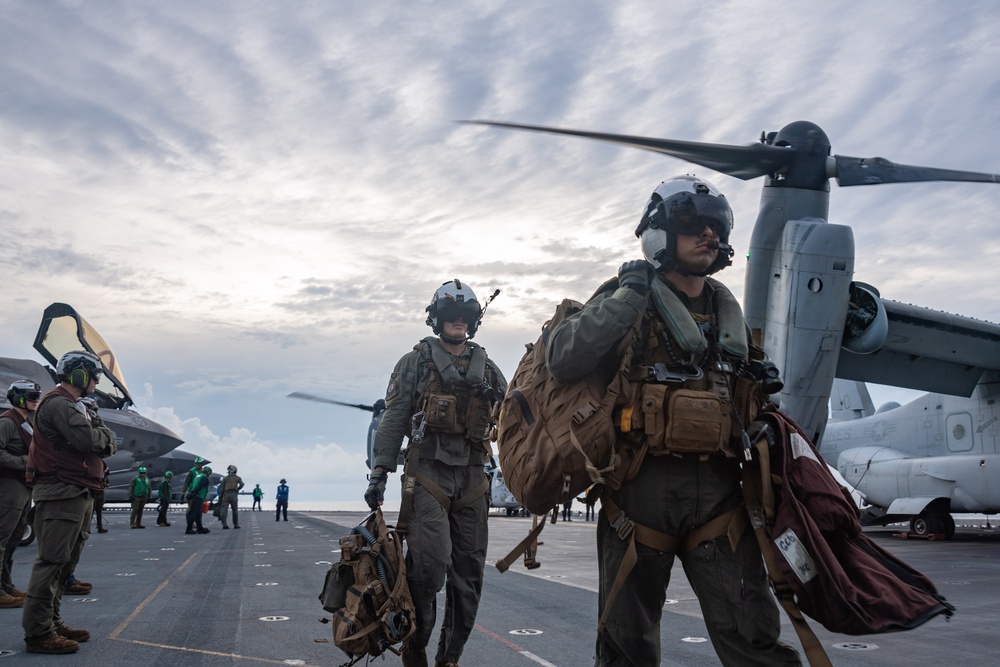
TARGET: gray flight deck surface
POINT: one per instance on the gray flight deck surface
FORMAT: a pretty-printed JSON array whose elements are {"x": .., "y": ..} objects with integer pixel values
[{"x": 249, "y": 596}]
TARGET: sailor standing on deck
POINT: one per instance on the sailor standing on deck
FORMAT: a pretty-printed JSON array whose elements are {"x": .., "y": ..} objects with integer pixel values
[{"x": 64, "y": 464}]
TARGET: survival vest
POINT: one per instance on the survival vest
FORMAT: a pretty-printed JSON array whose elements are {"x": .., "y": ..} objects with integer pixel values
[
  {"x": 456, "y": 398},
  {"x": 367, "y": 593},
  {"x": 51, "y": 461},
  {"x": 818, "y": 559}
]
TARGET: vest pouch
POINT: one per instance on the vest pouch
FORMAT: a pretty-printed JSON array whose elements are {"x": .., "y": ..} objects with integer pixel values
[
  {"x": 339, "y": 578},
  {"x": 652, "y": 400},
  {"x": 442, "y": 413},
  {"x": 357, "y": 614},
  {"x": 698, "y": 422}
]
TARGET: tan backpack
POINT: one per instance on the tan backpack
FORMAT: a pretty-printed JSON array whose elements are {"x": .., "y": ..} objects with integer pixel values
[
  {"x": 366, "y": 591},
  {"x": 556, "y": 439}
]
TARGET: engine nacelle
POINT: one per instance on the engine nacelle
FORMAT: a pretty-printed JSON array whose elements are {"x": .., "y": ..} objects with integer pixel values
[{"x": 867, "y": 325}]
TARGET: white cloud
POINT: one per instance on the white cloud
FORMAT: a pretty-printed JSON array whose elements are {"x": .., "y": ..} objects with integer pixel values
[{"x": 252, "y": 198}]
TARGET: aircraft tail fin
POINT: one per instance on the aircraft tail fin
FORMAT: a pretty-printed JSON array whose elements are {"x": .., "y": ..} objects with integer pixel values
[{"x": 850, "y": 400}]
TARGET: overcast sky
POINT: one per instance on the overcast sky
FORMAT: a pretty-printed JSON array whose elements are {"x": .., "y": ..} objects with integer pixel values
[{"x": 253, "y": 198}]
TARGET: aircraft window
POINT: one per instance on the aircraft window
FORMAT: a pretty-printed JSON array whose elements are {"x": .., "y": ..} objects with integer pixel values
[
  {"x": 815, "y": 285},
  {"x": 958, "y": 432}
]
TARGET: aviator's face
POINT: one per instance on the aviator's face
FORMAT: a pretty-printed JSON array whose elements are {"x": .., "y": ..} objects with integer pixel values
[
  {"x": 456, "y": 329},
  {"x": 696, "y": 253}
]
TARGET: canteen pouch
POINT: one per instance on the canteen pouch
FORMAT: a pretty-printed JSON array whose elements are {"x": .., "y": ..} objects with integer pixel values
[{"x": 699, "y": 423}]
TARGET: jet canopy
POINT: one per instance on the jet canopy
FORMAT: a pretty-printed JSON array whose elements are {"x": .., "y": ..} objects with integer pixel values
[{"x": 63, "y": 330}]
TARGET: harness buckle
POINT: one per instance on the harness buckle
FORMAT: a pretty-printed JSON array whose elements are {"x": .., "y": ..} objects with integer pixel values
[
  {"x": 623, "y": 526},
  {"x": 659, "y": 373}
]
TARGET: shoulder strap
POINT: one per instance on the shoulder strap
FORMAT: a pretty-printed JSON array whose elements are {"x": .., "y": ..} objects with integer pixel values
[{"x": 758, "y": 497}]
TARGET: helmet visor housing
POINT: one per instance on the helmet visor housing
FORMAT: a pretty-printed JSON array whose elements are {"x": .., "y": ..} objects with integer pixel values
[{"x": 688, "y": 214}]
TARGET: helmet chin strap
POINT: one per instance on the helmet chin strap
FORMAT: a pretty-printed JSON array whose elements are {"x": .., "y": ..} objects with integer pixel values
[{"x": 453, "y": 341}]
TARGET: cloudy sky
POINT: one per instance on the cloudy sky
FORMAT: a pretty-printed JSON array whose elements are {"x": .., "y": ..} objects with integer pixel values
[{"x": 254, "y": 198}]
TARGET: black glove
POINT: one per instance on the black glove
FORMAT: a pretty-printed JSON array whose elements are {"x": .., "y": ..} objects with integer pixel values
[
  {"x": 635, "y": 275},
  {"x": 761, "y": 430},
  {"x": 376, "y": 488}
]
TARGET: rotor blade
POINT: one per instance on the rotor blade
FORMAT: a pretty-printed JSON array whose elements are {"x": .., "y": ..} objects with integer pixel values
[
  {"x": 320, "y": 399},
  {"x": 875, "y": 170},
  {"x": 744, "y": 162}
]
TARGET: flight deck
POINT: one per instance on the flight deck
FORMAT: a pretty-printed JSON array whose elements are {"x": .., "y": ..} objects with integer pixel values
[{"x": 249, "y": 597}]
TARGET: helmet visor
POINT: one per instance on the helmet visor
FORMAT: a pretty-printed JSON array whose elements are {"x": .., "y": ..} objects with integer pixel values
[
  {"x": 451, "y": 311},
  {"x": 688, "y": 214},
  {"x": 32, "y": 396}
]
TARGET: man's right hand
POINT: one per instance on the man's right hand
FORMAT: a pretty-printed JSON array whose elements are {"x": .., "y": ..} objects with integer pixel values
[
  {"x": 375, "y": 495},
  {"x": 635, "y": 275}
]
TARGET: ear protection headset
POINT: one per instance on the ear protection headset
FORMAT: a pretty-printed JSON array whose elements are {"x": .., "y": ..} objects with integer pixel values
[{"x": 79, "y": 377}]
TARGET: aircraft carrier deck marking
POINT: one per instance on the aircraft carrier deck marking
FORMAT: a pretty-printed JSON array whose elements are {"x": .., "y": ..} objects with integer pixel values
[
  {"x": 142, "y": 605},
  {"x": 511, "y": 645}
]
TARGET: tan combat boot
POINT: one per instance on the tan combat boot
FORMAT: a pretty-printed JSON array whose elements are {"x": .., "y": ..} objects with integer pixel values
[
  {"x": 8, "y": 601},
  {"x": 53, "y": 644},
  {"x": 67, "y": 632}
]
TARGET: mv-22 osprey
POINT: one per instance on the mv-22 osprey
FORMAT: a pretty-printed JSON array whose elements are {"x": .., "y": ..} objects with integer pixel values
[{"x": 816, "y": 323}]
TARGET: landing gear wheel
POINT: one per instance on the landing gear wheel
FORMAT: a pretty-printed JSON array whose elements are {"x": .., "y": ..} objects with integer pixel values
[{"x": 920, "y": 525}]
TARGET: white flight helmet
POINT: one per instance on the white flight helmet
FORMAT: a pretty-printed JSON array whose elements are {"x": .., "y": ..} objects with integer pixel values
[{"x": 684, "y": 205}]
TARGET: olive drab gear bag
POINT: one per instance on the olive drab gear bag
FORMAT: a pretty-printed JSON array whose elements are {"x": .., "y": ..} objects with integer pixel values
[
  {"x": 366, "y": 591},
  {"x": 819, "y": 561}
]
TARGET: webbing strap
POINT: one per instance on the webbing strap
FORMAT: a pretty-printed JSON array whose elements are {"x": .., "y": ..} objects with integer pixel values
[
  {"x": 756, "y": 487},
  {"x": 530, "y": 541}
]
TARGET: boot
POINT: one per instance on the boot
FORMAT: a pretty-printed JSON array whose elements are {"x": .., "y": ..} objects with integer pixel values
[
  {"x": 8, "y": 601},
  {"x": 78, "y": 636},
  {"x": 77, "y": 588},
  {"x": 445, "y": 664},
  {"x": 16, "y": 593},
  {"x": 52, "y": 644}
]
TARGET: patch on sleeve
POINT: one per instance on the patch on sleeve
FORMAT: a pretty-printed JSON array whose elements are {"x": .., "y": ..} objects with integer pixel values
[{"x": 392, "y": 389}]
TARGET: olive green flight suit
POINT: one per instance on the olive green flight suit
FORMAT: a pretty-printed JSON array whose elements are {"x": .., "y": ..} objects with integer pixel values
[
  {"x": 444, "y": 549},
  {"x": 672, "y": 494}
]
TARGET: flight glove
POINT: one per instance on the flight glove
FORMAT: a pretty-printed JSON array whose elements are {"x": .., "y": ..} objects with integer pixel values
[
  {"x": 635, "y": 275},
  {"x": 375, "y": 494}
]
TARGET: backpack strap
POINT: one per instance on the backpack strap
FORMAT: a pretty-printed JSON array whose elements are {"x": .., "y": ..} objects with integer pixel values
[
  {"x": 528, "y": 546},
  {"x": 758, "y": 497}
]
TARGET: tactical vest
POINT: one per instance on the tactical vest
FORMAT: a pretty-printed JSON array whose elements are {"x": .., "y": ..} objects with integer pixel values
[
  {"x": 458, "y": 395},
  {"x": 55, "y": 460},
  {"x": 231, "y": 483},
  {"x": 688, "y": 392}
]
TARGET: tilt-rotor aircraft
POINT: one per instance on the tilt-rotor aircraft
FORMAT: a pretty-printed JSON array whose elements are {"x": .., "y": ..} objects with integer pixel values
[
  {"x": 817, "y": 324},
  {"x": 140, "y": 440}
]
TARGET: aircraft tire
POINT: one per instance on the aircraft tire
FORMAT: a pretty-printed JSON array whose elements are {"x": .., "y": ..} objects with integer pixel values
[
  {"x": 949, "y": 526},
  {"x": 921, "y": 525}
]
